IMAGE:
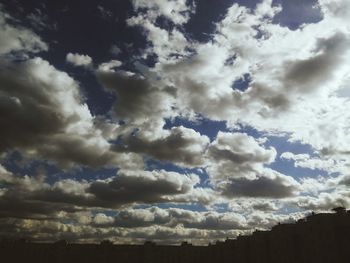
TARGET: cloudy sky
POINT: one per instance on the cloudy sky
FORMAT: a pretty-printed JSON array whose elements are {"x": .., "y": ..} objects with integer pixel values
[{"x": 163, "y": 120}]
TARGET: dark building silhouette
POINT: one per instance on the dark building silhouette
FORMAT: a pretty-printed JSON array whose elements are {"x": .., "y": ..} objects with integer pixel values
[{"x": 317, "y": 238}]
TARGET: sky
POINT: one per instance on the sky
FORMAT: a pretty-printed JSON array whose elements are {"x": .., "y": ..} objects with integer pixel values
[{"x": 171, "y": 121}]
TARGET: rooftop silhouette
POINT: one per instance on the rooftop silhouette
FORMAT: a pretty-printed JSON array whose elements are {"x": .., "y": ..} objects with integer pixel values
[{"x": 323, "y": 237}]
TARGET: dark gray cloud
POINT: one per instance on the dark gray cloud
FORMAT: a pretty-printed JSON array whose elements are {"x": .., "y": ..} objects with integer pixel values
[
  {"x": 172, "y": 217},
  {"x": 237, "y": 168},
  {"x": 29, "y": 111},
  {"x": 239, "y": 156},
  {"x": 180, "y": 145},
  {"x": 264, "y": 206},
  {"x": 300, "y": 77},
  {"x": 141, "y": 217},
  {"x": 142, "y": 187},
  {"x": 345, "y": 180},
  {"x": 138, "y": 100},
  {"x": 276, "y": 186},
  {"x": 307, "y": 75},
  {"x": 30, "y": 197},
  {"x": 44, "y": 116},
  {"x": 236, "y": 155},
  {"x": 35, "y": 198},
  {"x": 18, "y": 207}
]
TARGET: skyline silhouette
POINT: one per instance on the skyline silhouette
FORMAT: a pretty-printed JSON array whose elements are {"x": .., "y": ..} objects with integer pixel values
[{"x": 318, "y": 238}]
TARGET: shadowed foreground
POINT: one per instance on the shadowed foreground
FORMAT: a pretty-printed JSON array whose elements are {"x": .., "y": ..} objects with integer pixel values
[{"x": 317, "y": 238}]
